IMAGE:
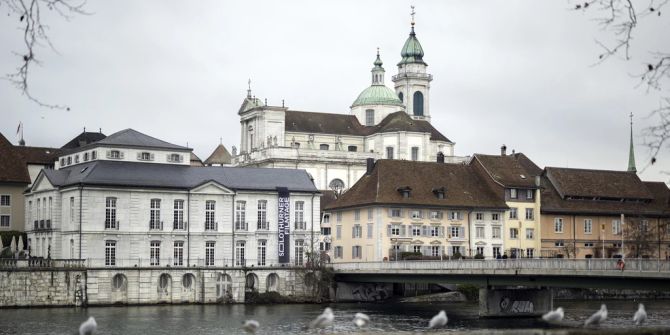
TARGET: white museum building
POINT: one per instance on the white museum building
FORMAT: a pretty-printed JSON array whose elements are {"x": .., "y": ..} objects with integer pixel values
[
  {"x": 382, "y": 123},
  {"x": 133, "y": 200}
]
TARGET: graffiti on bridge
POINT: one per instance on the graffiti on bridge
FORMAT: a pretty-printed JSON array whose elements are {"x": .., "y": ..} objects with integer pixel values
[{"x": 510, "y": 306}]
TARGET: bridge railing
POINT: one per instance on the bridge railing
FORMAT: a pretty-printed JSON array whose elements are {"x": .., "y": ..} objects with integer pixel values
[{"x": 641, "y": 265}]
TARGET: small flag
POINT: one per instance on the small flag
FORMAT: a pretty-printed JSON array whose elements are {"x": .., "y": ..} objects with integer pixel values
[{"x": 18, "y": 129}]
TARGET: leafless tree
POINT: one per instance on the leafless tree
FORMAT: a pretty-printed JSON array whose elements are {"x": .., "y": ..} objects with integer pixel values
[
  {"x": 621, "y": 18},
  {"x": 30, "y": 14},
  {"x": 570, "y": 250},
  {"x": 641, "y": 238}
]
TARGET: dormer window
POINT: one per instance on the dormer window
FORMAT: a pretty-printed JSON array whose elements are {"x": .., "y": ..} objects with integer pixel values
[
  {"x": 512, "y": 193},
  {"x": 145, "y": 156},
  {"x": 174, "y": 158},
  {"x": 405, "y": 191},
  {"x": 439, "y": 192},
  {"x": 114, "y": 154}
]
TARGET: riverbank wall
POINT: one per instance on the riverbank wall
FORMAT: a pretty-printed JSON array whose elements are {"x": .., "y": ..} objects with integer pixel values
[{"x": 139, "y": 286}]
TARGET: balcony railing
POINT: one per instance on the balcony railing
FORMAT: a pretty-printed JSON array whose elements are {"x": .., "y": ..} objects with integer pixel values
[
  {"x": 42, "y": 225},
  {"x": 211, "y": 226},
  {"x": 300, "y": 225},
  {"x": 40, "y": 262},
  {"x": 155, "y": 225},
  {"x": 241, "y": 226},
  {"x": 114, "y": 225},
  {"x": 177, "y": 225},
  {"x": 171, "y": 262}
]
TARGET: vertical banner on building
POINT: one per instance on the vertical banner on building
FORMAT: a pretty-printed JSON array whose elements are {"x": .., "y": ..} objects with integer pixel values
[{"x": 284, "y": 225}]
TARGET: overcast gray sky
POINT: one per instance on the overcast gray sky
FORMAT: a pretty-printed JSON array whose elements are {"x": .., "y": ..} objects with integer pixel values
[{"x": 513, "y": 72}]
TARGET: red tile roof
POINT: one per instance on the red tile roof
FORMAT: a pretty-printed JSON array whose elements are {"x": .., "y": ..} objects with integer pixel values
[
  {"x": 515, "y": 170},
  {"x": 12, "y": 167},
  {"x": 464, "y": 187}
]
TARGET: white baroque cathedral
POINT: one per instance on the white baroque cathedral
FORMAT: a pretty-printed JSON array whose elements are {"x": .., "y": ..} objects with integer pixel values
[{"x": 333, "y": 148}]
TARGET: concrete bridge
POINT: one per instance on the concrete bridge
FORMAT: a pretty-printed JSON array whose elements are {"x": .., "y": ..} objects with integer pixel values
[
  {"x": 512, "y": 286},
  {"x": 552, "y": 272}
]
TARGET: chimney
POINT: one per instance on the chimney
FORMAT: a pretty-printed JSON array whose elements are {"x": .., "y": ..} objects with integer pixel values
[
  {"x": 503, "y": 150},
  {"x": 440, "y": 157},
  {"x": 370, "y": 165}
]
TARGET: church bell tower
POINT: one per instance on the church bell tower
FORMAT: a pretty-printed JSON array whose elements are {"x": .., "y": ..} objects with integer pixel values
[{"x": 412, "y": 83}]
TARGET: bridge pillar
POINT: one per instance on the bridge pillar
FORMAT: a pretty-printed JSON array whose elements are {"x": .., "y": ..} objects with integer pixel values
[{"x": 502, "y": 302}]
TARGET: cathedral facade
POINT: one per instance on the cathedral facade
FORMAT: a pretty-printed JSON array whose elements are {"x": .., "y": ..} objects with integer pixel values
[{"x": 383, "y": 123}]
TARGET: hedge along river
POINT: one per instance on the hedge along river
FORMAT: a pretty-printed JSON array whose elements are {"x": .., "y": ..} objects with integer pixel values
[{"x": 293, "y": 318}]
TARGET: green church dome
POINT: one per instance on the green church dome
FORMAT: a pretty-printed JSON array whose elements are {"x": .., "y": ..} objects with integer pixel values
[
  {"x": 412, "y": 52},
  {"x": 377, "y": 95}
]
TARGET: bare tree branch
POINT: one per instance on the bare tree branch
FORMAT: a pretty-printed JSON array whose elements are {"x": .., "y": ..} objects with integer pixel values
[
  {"x": 29, "y": 15},
  {"x": 621, "y": 18}
]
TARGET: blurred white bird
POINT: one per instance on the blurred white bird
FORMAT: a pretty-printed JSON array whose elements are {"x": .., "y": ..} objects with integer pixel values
[
  {"x": 88, "y": 327},
  {"x": 439, "y": 320},
  {"x": 361, "y": 319},
  {"x": 324, "y": 320},
  {"x": 640, "y": 316},
  {"x": 554, "y": 316},
  {"x": 250, "y": 326},
  {"x": 597, "y": 317}
]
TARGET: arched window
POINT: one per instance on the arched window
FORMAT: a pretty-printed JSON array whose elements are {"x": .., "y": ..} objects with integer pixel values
[
  {"x": 323, "y": 147},
  {"x": 336, "y": 185},
  {"x": 119, "y": 282},
  {"x": 400, "y": 96},
  {"x": 418, "y": 103}
]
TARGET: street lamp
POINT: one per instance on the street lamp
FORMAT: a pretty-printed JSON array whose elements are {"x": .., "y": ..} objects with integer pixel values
[{"x": 602, "y": 236}]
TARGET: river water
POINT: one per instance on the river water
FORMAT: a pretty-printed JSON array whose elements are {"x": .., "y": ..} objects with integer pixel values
[{"x": 291, "y": 319}]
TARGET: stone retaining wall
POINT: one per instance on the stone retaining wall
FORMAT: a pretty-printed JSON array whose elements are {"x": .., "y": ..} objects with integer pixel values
[{"x": 128, "y": 286}]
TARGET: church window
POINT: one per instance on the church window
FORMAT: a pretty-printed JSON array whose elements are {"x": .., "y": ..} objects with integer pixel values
[
  {"x": 389, "y": 152},
  {"x": 415, "y": 153},
  {"x": 336, "y": 185},
  {"x": 400, "y": 96},
  {"x": 352, "y": 148},
  {"x": 418, "y": 103},
  {"x": 323, "y": 146},
  {"x": 370, "y": 117}
]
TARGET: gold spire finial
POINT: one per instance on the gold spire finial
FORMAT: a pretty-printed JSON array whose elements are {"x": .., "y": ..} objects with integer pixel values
[
  {"x": 413, "y": 12},
  {"x": 377, "y": 51}
]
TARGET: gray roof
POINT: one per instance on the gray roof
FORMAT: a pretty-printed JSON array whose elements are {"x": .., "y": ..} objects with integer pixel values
[
  {"x": 133, "y": 138},
  {"x": 127, "y": 174}
]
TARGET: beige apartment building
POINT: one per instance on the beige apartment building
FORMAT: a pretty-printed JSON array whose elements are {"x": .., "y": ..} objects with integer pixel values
[
  {"x": 516, "y": 178},
  {"x": 582, "y": 212},
  {"x": 416, "y": 210}
]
